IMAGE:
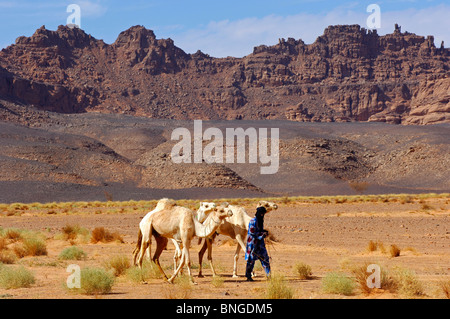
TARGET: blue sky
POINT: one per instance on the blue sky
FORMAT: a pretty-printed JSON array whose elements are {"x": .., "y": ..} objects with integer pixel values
[{"x": 223, "y": 28}]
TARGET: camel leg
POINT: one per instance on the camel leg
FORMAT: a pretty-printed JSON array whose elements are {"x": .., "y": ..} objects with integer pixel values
[
  {"x": 185, "y": 259},
  {"x": 200, "y": 258},
  {"x": 161, "y": 243},
  {"x": 145, "y": 243},
  {"x": 188, "y": 263},
  {"x": 137, "y": 248},
  {"x": 180, "y": 266},
  {"x": 209, "y": 242},
  {"x": 236, "y": 258},
  {"x": 176, "y": 254}
]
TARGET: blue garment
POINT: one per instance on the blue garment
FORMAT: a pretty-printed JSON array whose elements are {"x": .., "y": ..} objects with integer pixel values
[{"x": 256, "y": 248}]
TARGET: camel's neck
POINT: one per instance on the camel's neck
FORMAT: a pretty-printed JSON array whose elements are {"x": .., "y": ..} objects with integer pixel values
[{"x": 208, "y": 227}]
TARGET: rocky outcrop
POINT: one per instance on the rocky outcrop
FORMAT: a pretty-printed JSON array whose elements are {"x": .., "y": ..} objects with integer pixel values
[{"x": 348, "y": 74}]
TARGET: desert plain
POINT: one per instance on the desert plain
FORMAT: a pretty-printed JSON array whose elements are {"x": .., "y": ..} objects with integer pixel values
[{"x": 330, "y": 234}]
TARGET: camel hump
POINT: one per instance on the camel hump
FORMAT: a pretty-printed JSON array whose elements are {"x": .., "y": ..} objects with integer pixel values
[{"x": 165, "y": 203}]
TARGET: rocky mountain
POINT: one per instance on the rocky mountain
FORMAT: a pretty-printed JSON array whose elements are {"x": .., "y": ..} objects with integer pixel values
[{"x": 348, "y": 74}]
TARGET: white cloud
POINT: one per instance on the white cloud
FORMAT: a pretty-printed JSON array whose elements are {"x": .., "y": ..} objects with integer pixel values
[{"x": 237, "y": 38}]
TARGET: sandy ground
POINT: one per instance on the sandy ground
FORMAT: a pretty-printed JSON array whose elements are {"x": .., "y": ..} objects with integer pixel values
[{"x": 324, "y": 236}]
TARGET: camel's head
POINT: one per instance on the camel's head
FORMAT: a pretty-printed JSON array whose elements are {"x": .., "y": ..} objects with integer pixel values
[
  {"x": 267, "y": 205},
  {"x": 204, "y": 210},
  {"x": 222, "y": 212}
]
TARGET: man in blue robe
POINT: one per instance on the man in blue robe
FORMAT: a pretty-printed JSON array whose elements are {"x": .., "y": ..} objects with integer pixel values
[{"x": 256, "y": 248}]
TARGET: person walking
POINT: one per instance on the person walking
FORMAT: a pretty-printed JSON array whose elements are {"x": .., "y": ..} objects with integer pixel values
[{"x": 256, "y": 248}]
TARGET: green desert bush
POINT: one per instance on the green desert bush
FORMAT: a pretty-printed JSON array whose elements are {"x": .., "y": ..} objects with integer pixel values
[
  {"x": 72, "y": 253},
  {"x": 338, "y": 283},
  {"x": 96, "y": 281},
  {"x": 149, "y": 271},
  {"x": 119, "y": 264},
  {"x": 15, "y": 277},
  {"x": 407, "y": 282},
  {"x": 277, "y": 288}
]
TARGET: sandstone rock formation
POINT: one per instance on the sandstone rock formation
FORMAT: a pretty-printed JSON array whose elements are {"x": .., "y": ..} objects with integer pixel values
[{"x": 348, "y": 74}]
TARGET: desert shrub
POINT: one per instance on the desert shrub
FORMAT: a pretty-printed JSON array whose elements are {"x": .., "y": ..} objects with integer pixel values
[
  {"x": 338, "y": 283},
  {"x": 15, "y": 277},
  {"x": 72, "y": 253},
  {"x": 361, "y": 275},
  {"x": 71, "y": 232},
  {"x": 100, "y": 234},
  {"x": 407, "y": 282},
  {"x": 3, "y": 243},
  {"x": 181, "y": 289},
  {"x": 96, "y": 281},
  {"x": 394, "y": 251},
  {"x": 119, "y": 264},
  {"x": 12, "y": 234},
  {"x": 375, "y": 245},
  {"x": 35, "y": 246},
  {"x": 277, "y": 288},
  {"x": 149, "y": 271},
  {"x": 303, "y": 271},
  {"x": 7, "y": 257},
  {"x": 31, "y": 245},
  {"x": 372, "y": 246}
]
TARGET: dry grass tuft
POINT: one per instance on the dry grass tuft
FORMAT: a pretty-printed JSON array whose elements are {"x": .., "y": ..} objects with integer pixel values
[
  {"x": 119, "y": 264},
  {"x": 277, "y": 288},
  {"x": 303, "y": 271},
  {"x": 376, "y": 245},
  {"x": 407, "y": 282},
  {"x": 394, "y": 251},
  {"x": 100, "y": 234},
  {"x": 181, "y": 288},
  {"x": 362, "y": 275}
]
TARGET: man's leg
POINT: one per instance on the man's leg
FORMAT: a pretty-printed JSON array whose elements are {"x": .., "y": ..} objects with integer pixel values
[
  {"x": 249, "y": 269},
  {"x": 265, "y": 261}
]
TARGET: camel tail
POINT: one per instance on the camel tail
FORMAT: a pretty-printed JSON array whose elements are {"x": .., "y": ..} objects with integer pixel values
[{"x": 138, "y": 247}]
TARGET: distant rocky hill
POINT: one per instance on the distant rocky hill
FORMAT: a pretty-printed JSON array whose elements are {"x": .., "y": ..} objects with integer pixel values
[
  {"x": 95, "y": 156},
  {"x": 347, "y": 74}
]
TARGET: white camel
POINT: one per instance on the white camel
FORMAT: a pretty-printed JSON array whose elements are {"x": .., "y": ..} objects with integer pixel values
[
  {"x": 180, "y": 224},
  {"x": 166, "y": 203},
  {"x": 235, "y": 227}
]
